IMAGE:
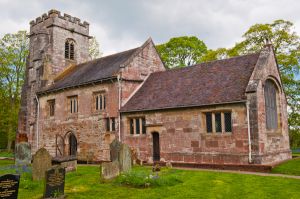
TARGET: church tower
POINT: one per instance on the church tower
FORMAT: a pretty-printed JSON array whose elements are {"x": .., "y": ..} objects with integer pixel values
[{"x": 56, "y": 42}]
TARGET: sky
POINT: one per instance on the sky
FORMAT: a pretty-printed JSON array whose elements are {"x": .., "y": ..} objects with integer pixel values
[{"x": 120, "y": 25}]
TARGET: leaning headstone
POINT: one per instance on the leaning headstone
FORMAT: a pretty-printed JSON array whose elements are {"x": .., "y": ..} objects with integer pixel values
[
  {"x": 9, "y": 186},
  {"x": 41, "y": 163},
  {"x": 125, "y": 160},
  {"x": 22, "y": 154},
  {"x": 55, "y": 182},
  {"x": 109, "y": 170},
  {"x": 115, "y": 148}
]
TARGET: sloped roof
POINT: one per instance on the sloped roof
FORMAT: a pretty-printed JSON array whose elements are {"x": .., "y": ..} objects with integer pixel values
[
  {"x": 92, "y": 71},
  {"x": 222, "y": 81}
]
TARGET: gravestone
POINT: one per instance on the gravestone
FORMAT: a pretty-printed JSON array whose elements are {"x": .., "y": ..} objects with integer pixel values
[
  {"x": 110, "y": 170},
  {"x": 41, "y": 163},
  {"x": 55, "y": 182},
  {"x": 9, "y": 186},
  {"x": 125, "y": 160},
  {"x": 115, "y": 148},
  {"x": 22, "y": 154},
  {"x": 122, "y": 154}
]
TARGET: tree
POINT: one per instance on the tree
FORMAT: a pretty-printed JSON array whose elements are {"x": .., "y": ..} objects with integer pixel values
[
  {"x": 14, "y": 49},
  {"x": 220, "y": 53},
  {"x": 182, "y": 51},
  {"x": 94, "y": 51}
]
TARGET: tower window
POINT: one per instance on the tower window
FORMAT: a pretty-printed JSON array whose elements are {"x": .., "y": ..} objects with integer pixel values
[{"x": 70, "y": 49}]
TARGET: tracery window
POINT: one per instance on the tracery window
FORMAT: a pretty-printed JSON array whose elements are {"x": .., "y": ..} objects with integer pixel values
[{"x": 271, "y": 105}]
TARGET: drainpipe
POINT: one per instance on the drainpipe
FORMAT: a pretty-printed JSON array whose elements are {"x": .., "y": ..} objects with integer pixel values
[
  {"x": 249, "y": 138},
  {"x": 37, "y": 122},
  {"x": 119, "y": 88}
]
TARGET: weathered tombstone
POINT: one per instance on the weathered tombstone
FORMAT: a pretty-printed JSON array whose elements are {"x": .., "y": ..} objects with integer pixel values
[
  {"x": 125, "y": 158},
  {"x": 115, "y": 148},
  {"x": 55, "y": 182},
  {"x": 22, "y": 154},
  {"x": 109, "y": 170},
  {"x": 9, "y": 186},
  {"x": 41, "y": 163}
]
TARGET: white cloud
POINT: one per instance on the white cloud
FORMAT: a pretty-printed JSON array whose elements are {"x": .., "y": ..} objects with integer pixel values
[{"x": 120, "y": 25}]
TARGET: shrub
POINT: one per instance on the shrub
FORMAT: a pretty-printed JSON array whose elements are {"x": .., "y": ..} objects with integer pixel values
[{"x": 145, "y": 178}]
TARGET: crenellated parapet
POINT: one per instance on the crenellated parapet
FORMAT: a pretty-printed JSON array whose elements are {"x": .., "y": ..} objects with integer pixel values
[{"x": 56, "y": 14}]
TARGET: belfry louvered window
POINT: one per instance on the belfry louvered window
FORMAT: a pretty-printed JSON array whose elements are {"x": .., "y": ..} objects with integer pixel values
[
  {"x": 70, "y": 49},
  {"x": 270, "y": 105}
]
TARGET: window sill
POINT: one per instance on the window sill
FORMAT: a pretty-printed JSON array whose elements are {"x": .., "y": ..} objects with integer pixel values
[
  {"x": 137, "y": 135},
  {"x": 218, "y": 134}
]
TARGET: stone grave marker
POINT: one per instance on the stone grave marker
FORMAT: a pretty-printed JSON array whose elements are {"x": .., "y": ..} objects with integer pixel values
[
  {"x": 110, "y": 170},
  {"x": 22, "y": 154},
  {"x": 115, "y": 148},
  {"x": 9, "y": 186},
  {"x": 41, "y": 163},
  {"x": 55, "y": 182},
  {"x": 125, "y": 160}
]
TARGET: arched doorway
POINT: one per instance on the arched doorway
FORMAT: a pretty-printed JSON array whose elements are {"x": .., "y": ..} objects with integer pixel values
[
  {"x": 72, "y": 145},
  {"x": 156, "y": 146}
]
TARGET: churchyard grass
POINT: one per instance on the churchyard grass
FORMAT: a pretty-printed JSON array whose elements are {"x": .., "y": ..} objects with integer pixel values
[
  {"x": 291, "y": 167},
  {"x": 85, "y": 183}
]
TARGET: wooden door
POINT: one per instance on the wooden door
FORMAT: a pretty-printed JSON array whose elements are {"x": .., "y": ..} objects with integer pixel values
[{"x": 156, "y": 147}]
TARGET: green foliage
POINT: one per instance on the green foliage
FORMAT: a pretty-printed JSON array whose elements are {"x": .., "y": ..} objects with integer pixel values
[
  {"x": 94, "y": 50},
  {"x": 294, "y": 138},
  {"x": 182, "y": 51},
  {"x": 291, "y": 167},
  {"x": 6, "y": 154},
  {"x": 13, "y": 53},
  {"x": 145, "y": 178}
]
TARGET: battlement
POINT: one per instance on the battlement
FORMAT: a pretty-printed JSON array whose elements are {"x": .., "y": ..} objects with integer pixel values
[{"x": 53, "y": 14}]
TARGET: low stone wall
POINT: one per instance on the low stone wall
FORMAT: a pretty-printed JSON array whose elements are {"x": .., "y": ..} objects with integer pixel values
[{"x": 69, "y": 163}]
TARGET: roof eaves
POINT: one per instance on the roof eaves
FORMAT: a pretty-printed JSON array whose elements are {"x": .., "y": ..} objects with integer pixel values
[
  {"x": 74, "y": 86},
  {"x": 180, "y": 107}
]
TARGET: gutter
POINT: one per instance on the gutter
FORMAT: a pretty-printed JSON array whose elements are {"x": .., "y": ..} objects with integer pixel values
[
  {"x": 249, "y": 133},
  {"x": 74, "y": 86},
  {"x": 37, "y": 122},
  {"x": 119, "y": 93}
]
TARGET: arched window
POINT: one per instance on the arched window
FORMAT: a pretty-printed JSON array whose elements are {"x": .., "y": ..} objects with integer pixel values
[
  {"x": 70, "y": 49},
  {"x": 270, "y": 105}
]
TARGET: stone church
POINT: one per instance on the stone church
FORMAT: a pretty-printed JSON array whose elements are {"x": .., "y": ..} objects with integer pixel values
[{"x": 230, "y": 111}]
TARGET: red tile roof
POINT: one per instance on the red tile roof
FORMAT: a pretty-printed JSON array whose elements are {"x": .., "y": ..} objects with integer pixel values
[{"x": 222, "y": 81}]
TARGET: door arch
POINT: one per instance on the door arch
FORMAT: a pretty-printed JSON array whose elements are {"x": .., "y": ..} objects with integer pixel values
[
  {"x": 156, "y": 146},
  {"x": 70, "y": 144},
  {"x": 73, "y": 145}
]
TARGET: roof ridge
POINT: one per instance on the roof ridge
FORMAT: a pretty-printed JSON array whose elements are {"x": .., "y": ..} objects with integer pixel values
[{"x": 209, "y": 62}]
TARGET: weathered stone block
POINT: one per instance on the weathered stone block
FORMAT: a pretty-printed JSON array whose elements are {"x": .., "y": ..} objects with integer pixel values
[{"x": 110, "y": 170}]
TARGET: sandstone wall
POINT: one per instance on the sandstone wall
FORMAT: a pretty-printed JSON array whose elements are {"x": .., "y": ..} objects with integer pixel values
[{"x": 183, "y": 136}]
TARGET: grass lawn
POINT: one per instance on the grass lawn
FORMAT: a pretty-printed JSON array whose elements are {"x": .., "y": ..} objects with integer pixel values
[
  {"x": 85, "y": 183},
  {"x": 6, "y": 154},
  {"x": 291, "y": 167}
]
